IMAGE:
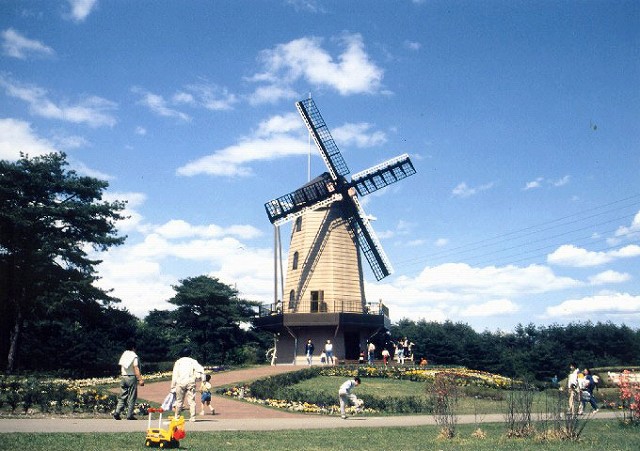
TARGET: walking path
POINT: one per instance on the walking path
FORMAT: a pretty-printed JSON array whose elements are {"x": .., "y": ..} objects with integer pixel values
[{"x": 233, "y": 415}]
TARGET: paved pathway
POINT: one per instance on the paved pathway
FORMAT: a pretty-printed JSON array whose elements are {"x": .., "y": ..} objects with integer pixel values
[{"x": 233, "y": 415}]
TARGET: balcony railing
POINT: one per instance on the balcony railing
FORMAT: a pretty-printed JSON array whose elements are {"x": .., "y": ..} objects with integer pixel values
[{"x": 337, "y": 306}]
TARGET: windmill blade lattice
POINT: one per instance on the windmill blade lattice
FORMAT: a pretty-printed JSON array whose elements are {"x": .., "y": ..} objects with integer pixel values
[
  {"x": 368, "y": 243},
  {"x": 382, "y": 175},
  {"x": 322, "y": 137}
]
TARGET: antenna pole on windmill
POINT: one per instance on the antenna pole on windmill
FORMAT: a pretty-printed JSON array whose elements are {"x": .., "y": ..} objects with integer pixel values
[
  {"x": 276, "y": 245},
  {"x": 309, "y": 154}
]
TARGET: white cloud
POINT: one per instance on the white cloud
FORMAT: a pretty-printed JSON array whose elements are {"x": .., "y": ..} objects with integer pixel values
[
  {"x": 609, "y": 276},
  {"x": 142, "y": 272},
  {"x": 412, "y": 45},
  {"x": 178, "y": 228},
  {"x": 570, "y": 255},
  {"x": 441, "y": 242},
  {"x": 17, "y": 136},
  {"x": 211, "y": 97},
  {"x": 65, "y": 141},
  {"x": 18, "y": 46},
  {"x": 463, "y": 190},
  {"x": 279, "y": 136},
  {"x": 358, "y": 135},
  {"x": 561, "y": 182},
  {"x": 92, "y": 110},
  {"x": 631, "y": 231},
  {"x": 133, "y": 219},
  {"x": 457, "y": 290},
  {"x": 603, "y": 305},
  {"x": 80, "y": 9},
  {"x": 232, "y": 161},
  {"x": 537, "y": 183},
  {"x": 158, "y": 105},
  {"x": 491, "y": 280},
  {"x": 271, "y": 94},
  {"x": 280, "y": 124},
  {"x": 304, "y": 59},
  {"x": 312, "y": 6}
]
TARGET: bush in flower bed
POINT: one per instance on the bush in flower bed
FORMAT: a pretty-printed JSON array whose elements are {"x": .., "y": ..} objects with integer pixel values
[
  {"x": 463, "y": 376},
  {"x": 31, "y": 395},
  {"x": 277, "y": 391}
]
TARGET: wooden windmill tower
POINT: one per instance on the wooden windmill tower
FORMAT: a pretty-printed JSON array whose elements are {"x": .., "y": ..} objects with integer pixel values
[{"x": 324, "y": 291}]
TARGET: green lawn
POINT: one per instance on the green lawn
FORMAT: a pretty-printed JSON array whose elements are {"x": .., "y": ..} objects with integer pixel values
[
  {"x": 472, "y": 400},
  {"x": 598, "y": 435}
]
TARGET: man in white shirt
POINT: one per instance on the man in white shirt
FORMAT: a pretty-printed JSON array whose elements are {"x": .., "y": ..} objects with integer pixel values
[
  {"x": 346, "y": 397},
  {"x": 183, "y": 381},
  {"x": 129, "y": 378},
  {"x": 572, "y": 387}
]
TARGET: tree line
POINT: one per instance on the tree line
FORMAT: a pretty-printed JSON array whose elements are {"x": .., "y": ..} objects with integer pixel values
[
  {"x": 53, "y": 318},
  {"x": 534, "y": 352}
]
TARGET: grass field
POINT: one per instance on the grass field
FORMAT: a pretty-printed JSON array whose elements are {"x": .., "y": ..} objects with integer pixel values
[
  {"x": 598, "y": 435},
  {"x": 472, "y": 400}
]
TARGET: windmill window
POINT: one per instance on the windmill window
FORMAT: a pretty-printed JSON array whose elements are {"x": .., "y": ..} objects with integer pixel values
[
  {"x": 292, "y": 300},
  {"x": 317, "y": 300},
  {"x": 298, "y": 226},
  {"x": 295, "y": 260}
]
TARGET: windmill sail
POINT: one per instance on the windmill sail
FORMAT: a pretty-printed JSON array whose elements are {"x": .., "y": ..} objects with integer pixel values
[
  {"x": 382, "y": 175},
  {"x": 368, "y": 242},
  {"x": 322, "y": 137},
  {"x": 286, "y": 207}
]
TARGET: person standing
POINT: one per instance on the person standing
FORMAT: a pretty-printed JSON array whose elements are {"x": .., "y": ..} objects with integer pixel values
[
  {"x": 186, "y": 371},
  {"x": 328, "y": 350},
  {"x": 586, "y": 391},
  {"x": 385, "y": 356},
  {"x": 308, "y": 351},
  {"x": 371, "y": 350},
  {"x": 130, "y": 377},
  {"x": 346, "y": 396},
  {"x": 400, "y": 352},
  {"x": 572, "y": 387}
]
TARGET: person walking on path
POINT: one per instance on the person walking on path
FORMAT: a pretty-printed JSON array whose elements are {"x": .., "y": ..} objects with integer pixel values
[
  {"x": 205, "y": 398},
  {"x": 572, "y": 387},
  {"x": 346, "y": 397},
  {"x": 130, "y": 377},
  {"x": 186, "y": 371},
  {"x": 586, "y": 391},
  {"x": 308, "y": 351}
]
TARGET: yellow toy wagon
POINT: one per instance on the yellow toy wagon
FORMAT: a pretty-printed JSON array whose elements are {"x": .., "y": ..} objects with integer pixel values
[{"x": 165, "y": 438}]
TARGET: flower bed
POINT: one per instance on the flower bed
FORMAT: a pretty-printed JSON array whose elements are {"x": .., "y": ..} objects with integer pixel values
[{"x": 275, "y": 391}]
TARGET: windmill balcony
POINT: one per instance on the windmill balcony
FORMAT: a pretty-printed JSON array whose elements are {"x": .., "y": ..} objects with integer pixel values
[{"x": 337, "y": 306}]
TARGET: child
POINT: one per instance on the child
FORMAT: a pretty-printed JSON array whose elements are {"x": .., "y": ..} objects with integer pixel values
[{"x": 205, "y": 387}]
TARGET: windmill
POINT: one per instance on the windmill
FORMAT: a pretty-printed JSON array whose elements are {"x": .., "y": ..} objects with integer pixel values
[{"x": 324, "y": 276}]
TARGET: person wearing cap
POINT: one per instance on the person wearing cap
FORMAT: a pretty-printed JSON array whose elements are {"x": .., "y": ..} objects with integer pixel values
[
  {"x": 186, "y": 371},
  {"x": 130, "y": 377}
]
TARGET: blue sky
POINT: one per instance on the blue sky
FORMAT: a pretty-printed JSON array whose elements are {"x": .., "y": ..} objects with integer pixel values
[{"x": 522, "y": 119}]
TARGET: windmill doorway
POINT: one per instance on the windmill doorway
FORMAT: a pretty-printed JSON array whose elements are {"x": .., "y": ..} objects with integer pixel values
[{"x": 351, "y": 345}]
